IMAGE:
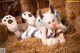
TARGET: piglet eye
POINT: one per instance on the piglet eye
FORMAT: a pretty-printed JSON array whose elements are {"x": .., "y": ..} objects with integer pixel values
[
  {"x": 4, "y": 20},
  {"x": 29, "y": 15}
]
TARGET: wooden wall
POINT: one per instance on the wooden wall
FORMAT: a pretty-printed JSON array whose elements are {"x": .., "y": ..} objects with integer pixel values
[
  {"x": 12, "y": 7},
  {"x": 28, "y": 5},
  {"x": 42, "y": 4},
  {"x": 8, "y": 7},
  {"x": 3, "y": 7}
]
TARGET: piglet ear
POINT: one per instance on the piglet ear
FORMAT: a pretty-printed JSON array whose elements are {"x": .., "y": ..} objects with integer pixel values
[
  {"x": 39, "y": 13},
  {"x": 51, "y": 9}
]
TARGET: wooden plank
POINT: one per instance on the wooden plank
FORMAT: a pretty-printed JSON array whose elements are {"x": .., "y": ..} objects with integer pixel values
[
  {"x": 42, "y": 4},
  {"x": 1, "y": 12},
  {"x": 7, "y": 1}
]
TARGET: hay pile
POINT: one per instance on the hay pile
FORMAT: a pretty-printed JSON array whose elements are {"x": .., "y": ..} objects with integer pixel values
[
  {"x": 57, "y": 3},
  {"x": 3, "y": 33},
  {"x": 73, "y": 16},
  {"x": 77, "y": 24},
  {"x": 34, "y": 45}
]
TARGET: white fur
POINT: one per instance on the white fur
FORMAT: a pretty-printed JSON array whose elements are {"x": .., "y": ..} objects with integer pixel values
[
  {"x": 40, "y": 24},
  {"x": 30, "y": 29},
  {"x": 13, "y": 26},
  {"x": 30, "y": 20},
  {"x": 37, "y": 34},
  {"x": 5, "y": 19},
  {"x": 48, "y": 17}
]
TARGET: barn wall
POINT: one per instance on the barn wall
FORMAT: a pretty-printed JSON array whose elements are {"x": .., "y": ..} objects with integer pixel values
[
  {"x": 3, "y": 8},
  {"x": 42, "y": 4},
  {"x": 7, "y": 7}
]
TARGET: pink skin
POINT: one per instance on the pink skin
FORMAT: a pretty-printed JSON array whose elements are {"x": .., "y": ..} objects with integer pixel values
[
  {"x": 18, "y": 34},
  {"x": 52, "y": 24}
]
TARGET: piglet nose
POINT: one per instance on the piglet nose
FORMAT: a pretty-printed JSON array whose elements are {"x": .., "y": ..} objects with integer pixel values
[{"x": 10, "y": 21}]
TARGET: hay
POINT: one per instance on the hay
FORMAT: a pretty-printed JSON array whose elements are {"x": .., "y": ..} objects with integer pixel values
[
  {"x": 57, "y": 3},
  {"x": 33, "y": 45},
  {"x": 62, "y": 13},
  {"x": 72, "y": 12},
  {"x": 44, "y": 10},
  {"x": 3, "y": 33},
  {"x": 77, "y": 24}
]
